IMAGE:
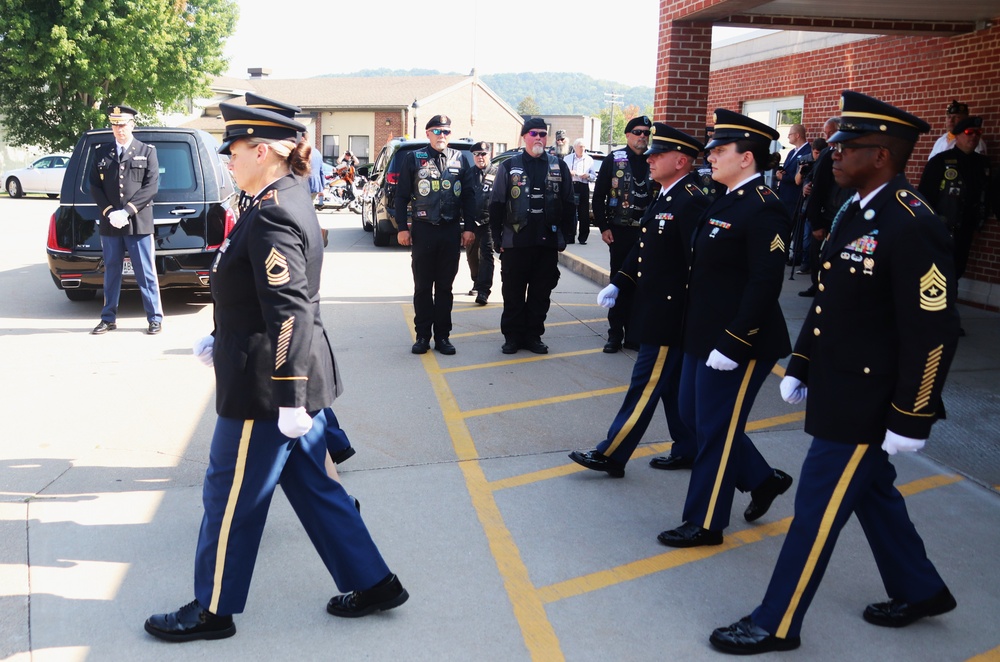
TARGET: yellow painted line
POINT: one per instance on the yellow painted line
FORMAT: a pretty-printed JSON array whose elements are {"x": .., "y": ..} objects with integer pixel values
[
  {"x": 675, "y": 558},
  {"x": 541, "y": 402},
  {"x": 538, "y": 634},
  {"x": 778, "y": 370},
  {"x": 487, "y": 332},
  {"x": 527, "y": 359},
  {"x": 988, "y": 656},
  {"x": 774, "y": 421}
]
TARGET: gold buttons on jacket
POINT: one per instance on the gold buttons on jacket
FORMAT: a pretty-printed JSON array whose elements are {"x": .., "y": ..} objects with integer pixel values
[
  {"x": 644, "y": 229},
  {"x": 640, "y": 260},
  {"x": 638, "y": 274},
  {"x": 822, "y": 287},
  {"x": 818, "y": 310},
  {"x": 867, "y": 370},
  {"x": 816, "y": 331},
  {"x": 826, "y": 265}
]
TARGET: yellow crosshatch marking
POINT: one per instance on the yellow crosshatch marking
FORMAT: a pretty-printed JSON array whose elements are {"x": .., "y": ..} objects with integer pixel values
[{"x": 527, "y": 600}]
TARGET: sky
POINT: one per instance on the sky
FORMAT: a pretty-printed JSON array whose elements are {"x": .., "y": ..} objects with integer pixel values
[{"x": 613, "y": 41}]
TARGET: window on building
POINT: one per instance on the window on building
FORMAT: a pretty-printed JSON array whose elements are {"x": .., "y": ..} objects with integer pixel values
[
  {"x": 780, "y": 114},
  {"x": 359, "y": 148}
]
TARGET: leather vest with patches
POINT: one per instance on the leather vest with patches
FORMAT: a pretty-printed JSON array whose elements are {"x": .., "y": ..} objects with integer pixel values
[
  {"x": 519, "y": 208},
  {"x": 436, "y": 193}
]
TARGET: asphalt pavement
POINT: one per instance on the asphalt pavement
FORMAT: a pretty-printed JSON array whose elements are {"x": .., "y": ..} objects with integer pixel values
[{"x": 508, "y": 549}]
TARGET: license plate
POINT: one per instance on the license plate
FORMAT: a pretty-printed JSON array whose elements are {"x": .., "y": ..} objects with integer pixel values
[{"x": 127, "y": 267}]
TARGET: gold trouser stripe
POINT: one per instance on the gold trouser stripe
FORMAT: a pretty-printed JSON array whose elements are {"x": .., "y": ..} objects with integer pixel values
[
  {"x": 724, "y": 460},
  {"x": 227, "y": 518},
  {"x": 647, "y": 392},
  {"x": 826, "y": 524}
]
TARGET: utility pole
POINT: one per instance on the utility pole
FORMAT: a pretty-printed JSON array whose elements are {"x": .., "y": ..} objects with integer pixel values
[{"x": 614, "y": 100}]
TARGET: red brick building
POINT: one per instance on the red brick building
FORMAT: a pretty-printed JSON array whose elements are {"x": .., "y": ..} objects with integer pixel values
[{"x": 943, "y": 51}]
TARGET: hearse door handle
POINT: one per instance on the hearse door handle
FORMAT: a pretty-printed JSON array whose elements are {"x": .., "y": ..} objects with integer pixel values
[{"x": 182, "y": 211}]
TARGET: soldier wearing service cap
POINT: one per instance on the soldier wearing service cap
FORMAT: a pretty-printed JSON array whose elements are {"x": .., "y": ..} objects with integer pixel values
[
  {"x": 656, "y": 271},
  {"x": 622, "y": 191},
  {"x": 438, "y": 185},
  {"x": 275, "y": 380},
  {"x": 870, "y": 362},
  {"x": 734, "y": 331},
  {"x": 124, "y": 180}
]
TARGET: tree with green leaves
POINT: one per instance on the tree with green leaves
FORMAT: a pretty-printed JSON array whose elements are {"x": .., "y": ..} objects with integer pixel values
[
  {"x": 528, "y": 106},
  {"x": 63, "y": 62}
]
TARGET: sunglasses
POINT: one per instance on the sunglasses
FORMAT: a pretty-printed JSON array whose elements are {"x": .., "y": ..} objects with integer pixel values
[
  {"x": 480, "y": 153},
  {"x": 639, "y": 132},
  {"x": 441, "y": 132},
  {"x": 973, "y": 132},
  {"x": 538, "y": 134}
]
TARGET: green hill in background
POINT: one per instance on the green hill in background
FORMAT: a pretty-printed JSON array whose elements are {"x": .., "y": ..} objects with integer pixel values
[{"x": 553, "y": 93}]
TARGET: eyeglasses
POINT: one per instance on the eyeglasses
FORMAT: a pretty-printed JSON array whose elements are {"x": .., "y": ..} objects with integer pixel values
[
  {"x": 441, "y": 132},
  {"x": 639, "y": 132},
  {"x": 973, "y": 132},
  {"x": 480, "y": 153},
  {"x": 840, "y": 147},
  {"x": 538, "y": 134}
]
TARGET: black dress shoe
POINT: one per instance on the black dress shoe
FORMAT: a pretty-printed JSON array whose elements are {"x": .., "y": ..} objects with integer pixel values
[
  {"x": 583, "y": 243},
  {"x": 535, "y": 345},
  {"x": 671, "y": 462},
  {"x": 481, "y": 299},
  {"x": 104, "y": 327},
  {"x": 811, "y": 292},
  {"x": 762, "y": 497},
  {"x": 387, "y": 594},
  {"x": 421, "y": 346},
  {"x": 745, "y": 637},
  {"x": 690, "y": 535},
  {"x": 510, "y": 347},
  {"x": 897, "y": 614},
  {"x": 154, "y": 328},
  {"x": 190, "y": 622},
  {"x": 612, "y": 347},
  {"x": 444, "y": 346},
  {"x": 598, "y": 462},
  {"x": 343, "y": 455}
]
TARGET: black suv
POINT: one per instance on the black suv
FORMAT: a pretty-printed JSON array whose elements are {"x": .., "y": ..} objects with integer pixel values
[
  {"x": 378, "y": 211},
  {"x": 192, "y": 213}
]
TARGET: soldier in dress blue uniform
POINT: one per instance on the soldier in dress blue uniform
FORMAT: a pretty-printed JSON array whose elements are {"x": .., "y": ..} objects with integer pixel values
[
  {"x": 734, "y": 331},
  {"x": 874, "y": 351},
  {"x": 275, "y": 375},
  {"x": 439, "y": 185},
  {"x": 656, "y": 271},
  {"x": 123, "y": 182}
]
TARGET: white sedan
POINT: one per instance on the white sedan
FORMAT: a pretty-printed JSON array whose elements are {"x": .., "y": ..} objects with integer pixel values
[{"x": 43, "y": 176}]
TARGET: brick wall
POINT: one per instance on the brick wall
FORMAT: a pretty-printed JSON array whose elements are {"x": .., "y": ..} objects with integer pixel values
[{"x": 918, "y": 74}]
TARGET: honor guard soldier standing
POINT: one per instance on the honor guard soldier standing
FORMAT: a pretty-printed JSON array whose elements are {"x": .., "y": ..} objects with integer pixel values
[
  {"x": 441, "y": 185},
  {"x": 657, "y": 270},
  {"x": 734, "y": 331},
  {"x": 275, "y": 375},
  {"x": 873, "y": 351},
  {"x": 531, "y": 214},
  {"x": 622, "y": 192},
  {"x": 123, "y": 182}
]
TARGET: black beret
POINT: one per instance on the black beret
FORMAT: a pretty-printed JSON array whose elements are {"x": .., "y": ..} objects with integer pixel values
[
  {"x": 533, "y": 123},
  {"x": 438, "y": 120},
  {"x": 642, "y": 120},
  {"x": 286, "y": 109},
  {"x": 247, "y": 122},
  {"x": 968, "y": 123},
  {"x": 666, "y": 138},
  {"x": 861, "y": 115},
  {"x": 731, "y": 126},
  {"x": 121, "y": 114}
]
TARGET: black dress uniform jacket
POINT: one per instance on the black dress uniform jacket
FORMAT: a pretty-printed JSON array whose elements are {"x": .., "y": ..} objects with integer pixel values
[
  {"x": 877, "y": 343},
  {"x": 738, "y": 266},
  {"x": 129, "y": 184},
  {"x": 271, "y": 349},
  {"x": 657, "y": 266}
]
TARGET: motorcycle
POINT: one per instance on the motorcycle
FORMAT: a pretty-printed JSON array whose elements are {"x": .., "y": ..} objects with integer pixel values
[{"x": 343, "y": 190}]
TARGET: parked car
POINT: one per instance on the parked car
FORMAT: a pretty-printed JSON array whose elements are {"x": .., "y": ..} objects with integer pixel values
[
  {"x": 192, "y": 213},
  {"x": 43, "y": 176},
  {"x": 378, "y": 212}
]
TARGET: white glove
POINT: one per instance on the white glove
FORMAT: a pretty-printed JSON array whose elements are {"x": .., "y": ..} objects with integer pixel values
[
  {"x": 894, "y": 443},
  {"x": 294, "y": 421},
  {"x": 719, "y": 361},
  {"x": 118, "y": 218},
  {"x": 606, "y": 297},
  {"x": 203, "y": 350},
  {"x": 792, "y": 390}
]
